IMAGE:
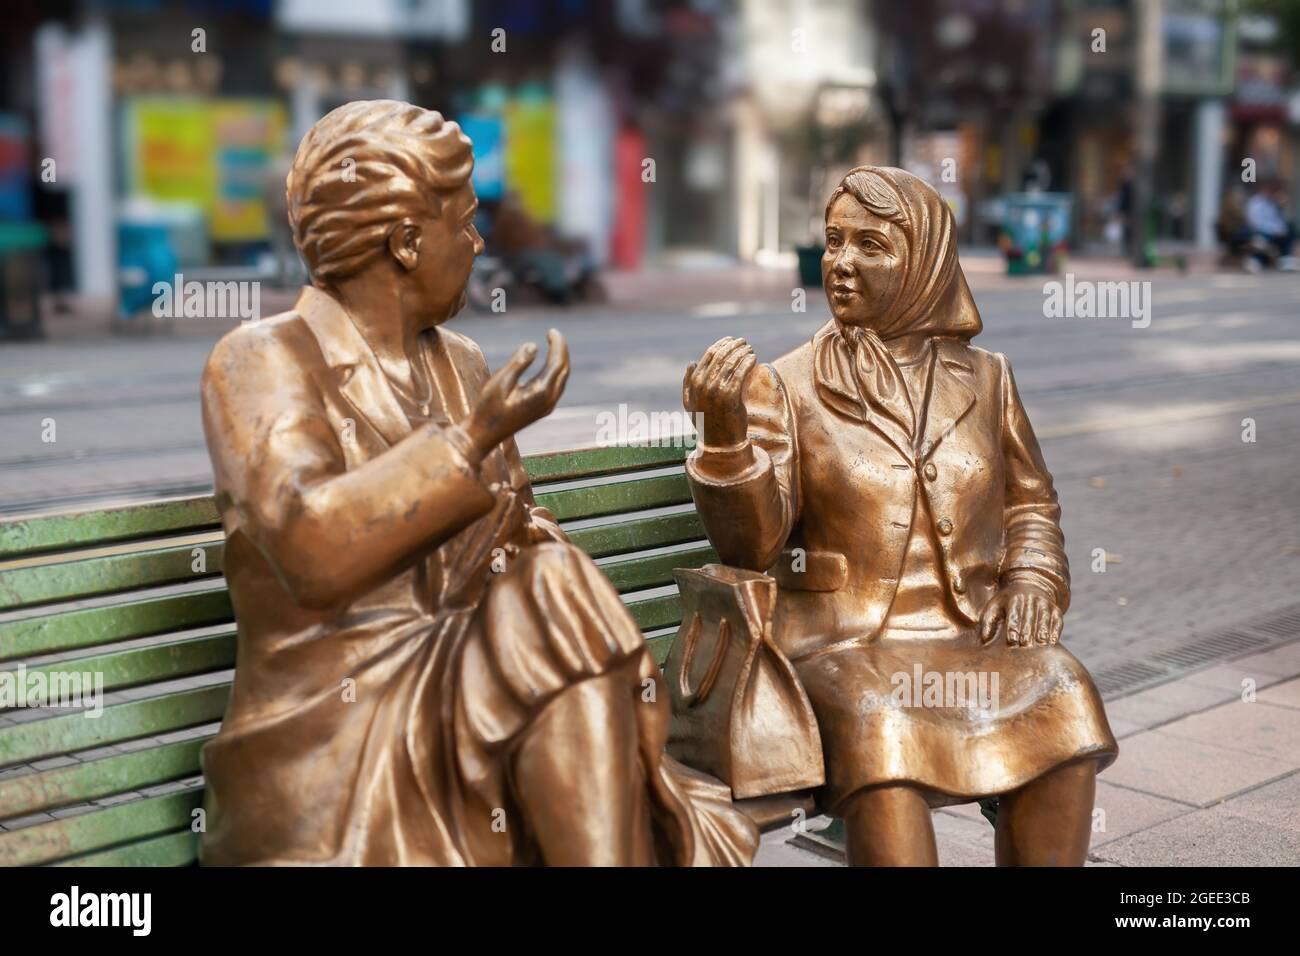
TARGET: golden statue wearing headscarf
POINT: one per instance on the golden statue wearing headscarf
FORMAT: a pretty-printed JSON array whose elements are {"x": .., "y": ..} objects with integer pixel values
[
  {"x": 886, "y": 475},
  {"x": 427, "y": 672}
]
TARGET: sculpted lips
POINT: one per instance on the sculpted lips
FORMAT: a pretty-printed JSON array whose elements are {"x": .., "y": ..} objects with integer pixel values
[{"x": 842, "y": 291}]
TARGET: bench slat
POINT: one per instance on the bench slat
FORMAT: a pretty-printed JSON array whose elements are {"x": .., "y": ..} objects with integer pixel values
[
  {"x": 638, "y": 574},
  {"x": 87, "y": 627},
  {"x": 660, "y": 646},
  {"x": 174, "y": 849},
  {"x": 64, "y": 532},
  {"x": 107, "y": 574},
  {"x": 616, "y": 498},
  {"x": 653, "y": 613},
  {"x": 95, "y": 779},
  {"x": 640, "y": 534},
  {"x": 25, "y": 742},
  {"x": 47, "y": 842},
  {"x": 594, "y": 462},
  {"x": 40, "y": 534},
  {"x": 149, "y": 665}
]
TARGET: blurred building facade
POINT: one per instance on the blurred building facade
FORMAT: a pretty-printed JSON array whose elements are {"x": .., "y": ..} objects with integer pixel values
[{"x": 646, "y": 129}]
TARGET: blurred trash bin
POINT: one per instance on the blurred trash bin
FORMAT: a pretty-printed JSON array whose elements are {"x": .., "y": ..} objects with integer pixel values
[
  {"x": 1035, "y": 232},
  {"x": 810, "y": 265},
  {"x": 22, "y": 246}
]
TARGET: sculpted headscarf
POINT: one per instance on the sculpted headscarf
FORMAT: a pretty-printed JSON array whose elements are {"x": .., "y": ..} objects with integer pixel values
[{"x": 854, "y": 372}]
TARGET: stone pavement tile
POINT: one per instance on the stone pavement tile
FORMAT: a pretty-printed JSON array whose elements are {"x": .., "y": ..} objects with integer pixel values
[
  {"x": 1260, "y": 668},
  {"x": 1126, "y": 811},
  {"x": 1191, "y": 771},
  {"x": 1256, "y": 728},
  {"x": 957, "y": 853},
  {"x": 775, "y": 850},
  {"x": 1276, "y": 804},
  {"x": 962, "y": 841},
  {"x": 1212, "y": 837},
  {"x": 1282, "y": 695},
  {"x": 1284, "y": 661},
  {"x": 73, "y": 811},
  {"x": 1166, "y": 702},
  {"x": 969, "y": 811},
  {"x": 1124, "y": 728}
]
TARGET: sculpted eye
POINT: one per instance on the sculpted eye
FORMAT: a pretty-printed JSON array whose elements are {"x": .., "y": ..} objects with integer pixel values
[{"x": 832, "y": 242}]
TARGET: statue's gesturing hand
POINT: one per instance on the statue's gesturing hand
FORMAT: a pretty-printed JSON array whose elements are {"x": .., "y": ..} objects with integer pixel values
[
  {"x": 1031, "y": 617},
  {"x": 714, "y": 388},
  {"x": 506, "y": 406}
]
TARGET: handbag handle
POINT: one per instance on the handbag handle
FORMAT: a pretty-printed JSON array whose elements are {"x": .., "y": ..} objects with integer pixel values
[{"x": 689, "y": 697}]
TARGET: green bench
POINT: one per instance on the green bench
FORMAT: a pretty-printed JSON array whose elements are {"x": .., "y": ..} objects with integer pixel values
[{"x": 135, "y": 594}]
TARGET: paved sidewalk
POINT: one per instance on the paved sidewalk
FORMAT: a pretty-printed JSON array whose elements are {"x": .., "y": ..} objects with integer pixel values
[{"x": 1208, "y": 775}]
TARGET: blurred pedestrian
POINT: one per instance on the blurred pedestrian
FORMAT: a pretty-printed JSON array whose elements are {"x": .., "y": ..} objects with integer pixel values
[{"x": 1271, "y": 232}]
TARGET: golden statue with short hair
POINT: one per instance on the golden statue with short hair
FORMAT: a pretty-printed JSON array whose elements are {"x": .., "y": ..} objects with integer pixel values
[{"x": 396, "y": 700}]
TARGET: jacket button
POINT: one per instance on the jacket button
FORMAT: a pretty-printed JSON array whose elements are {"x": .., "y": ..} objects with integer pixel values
[
  {"x": 945, "y": 527},
  {"x": 931, "y": 472},
  {"x": 958, "y": 585}
]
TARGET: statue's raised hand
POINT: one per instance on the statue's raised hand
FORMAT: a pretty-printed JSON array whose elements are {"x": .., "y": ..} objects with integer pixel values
[
  {"x": 714, "y": 389},
  {"x": 506, "y": 406}
]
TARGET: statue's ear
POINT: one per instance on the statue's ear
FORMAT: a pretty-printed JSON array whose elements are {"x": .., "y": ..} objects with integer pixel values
[{"x": 404, "y": 243}]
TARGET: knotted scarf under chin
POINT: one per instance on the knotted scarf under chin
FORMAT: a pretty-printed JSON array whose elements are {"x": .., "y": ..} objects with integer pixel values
[{"x": 858, "y": 377}]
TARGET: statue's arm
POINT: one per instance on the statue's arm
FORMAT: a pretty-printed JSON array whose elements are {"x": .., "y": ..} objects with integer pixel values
[
  {"x": 747, "y": 496},
  {"x": 329, "y": 533},
  {"x": 1035, "y": 546}
]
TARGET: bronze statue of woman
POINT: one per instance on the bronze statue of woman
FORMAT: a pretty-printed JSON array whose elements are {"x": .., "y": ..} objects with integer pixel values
[
  {"x": 886, "y": 474},
  {"x": 428, "y": 672}
]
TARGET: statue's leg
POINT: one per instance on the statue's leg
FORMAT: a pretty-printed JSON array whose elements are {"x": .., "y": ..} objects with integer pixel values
[
  {"x": 577, "y": 774},
  {"x": 889, "y": 826},
  {"x": 1048, "y": 822}
]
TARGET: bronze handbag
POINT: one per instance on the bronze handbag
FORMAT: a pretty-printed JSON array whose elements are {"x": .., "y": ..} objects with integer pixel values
[{"x": 739, "y": 710}]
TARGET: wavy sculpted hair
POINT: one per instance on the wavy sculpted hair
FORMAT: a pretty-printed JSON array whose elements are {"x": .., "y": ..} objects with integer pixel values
[
  {"x": 873, "y": 194},
  {"x": 363, "y": 168}
]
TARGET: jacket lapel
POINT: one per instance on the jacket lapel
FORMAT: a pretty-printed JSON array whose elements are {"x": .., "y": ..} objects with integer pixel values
[
  {"x": 361, "y": 381},
  {"x": 950, "y": 394}
]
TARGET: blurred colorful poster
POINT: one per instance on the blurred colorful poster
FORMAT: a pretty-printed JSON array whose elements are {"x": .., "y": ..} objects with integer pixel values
[
  {"x": 15, "y": 181},
  {"x": 169, "y": 150},
  {"x": 530, "y": 154},
  {"x": 488, "y": 135},
  {"x": 248, "y": 135},
  {"x": 211, "y": 153}
]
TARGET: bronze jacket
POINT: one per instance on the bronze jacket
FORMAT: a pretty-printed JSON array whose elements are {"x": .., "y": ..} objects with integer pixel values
[
  {"x": 825, "y": 503},
  {"x": 328, "y": 674}
]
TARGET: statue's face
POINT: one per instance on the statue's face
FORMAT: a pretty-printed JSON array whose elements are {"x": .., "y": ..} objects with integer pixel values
[
  {"x": 448, "y": 244},
  {"x": 864, "y": 263}
]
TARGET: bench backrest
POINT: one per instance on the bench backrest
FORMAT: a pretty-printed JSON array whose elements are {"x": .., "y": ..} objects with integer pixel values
[{"x": 134, "y": 596}]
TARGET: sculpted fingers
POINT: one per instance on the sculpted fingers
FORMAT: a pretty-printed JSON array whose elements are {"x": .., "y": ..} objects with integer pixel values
[
  {"x": 729, "y": 367},
  {"x": 556, "y": 372},
  {"x": 989, "y": 620},
  {"x": 1043, "y": 627},
  {"x": 740, "y": 374},
  {"x": 1015, "y": 618},
  {"x": 1058, "y": 623},
  {"x": 511, "y": 371}
]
